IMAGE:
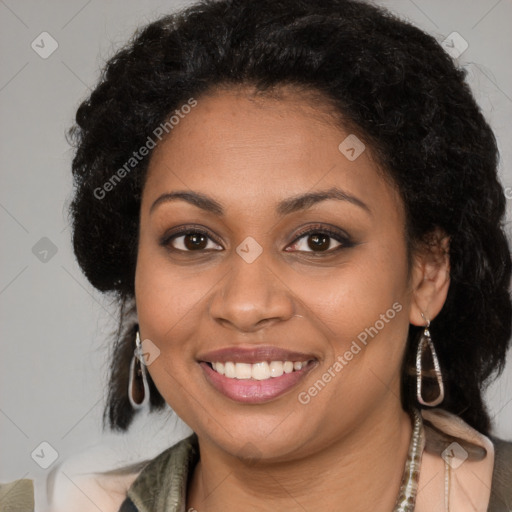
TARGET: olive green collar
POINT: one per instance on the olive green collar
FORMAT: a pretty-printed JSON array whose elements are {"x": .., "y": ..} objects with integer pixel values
[{"x": 162, "y": 484}]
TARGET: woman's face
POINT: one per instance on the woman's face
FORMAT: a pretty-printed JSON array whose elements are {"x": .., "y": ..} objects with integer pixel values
[{"x": 295, "y": 252}]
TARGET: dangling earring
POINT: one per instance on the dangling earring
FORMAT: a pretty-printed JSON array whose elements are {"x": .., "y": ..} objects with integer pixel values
[
  {"x": 138, "y": 388},
  {"x": 426, "y": 341}
]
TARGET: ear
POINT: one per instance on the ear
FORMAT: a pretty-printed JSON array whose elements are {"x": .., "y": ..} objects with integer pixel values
[{"x": 430, "y": 277}]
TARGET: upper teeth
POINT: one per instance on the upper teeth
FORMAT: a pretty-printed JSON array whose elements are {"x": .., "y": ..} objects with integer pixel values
[{"x": 258, "y": 371}]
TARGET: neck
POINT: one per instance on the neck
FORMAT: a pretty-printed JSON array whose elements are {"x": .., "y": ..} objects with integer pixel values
[{"x": 360, "y": 472}]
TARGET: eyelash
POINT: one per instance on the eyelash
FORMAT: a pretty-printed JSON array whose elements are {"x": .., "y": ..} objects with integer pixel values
[{"x": 340, "y": 237}]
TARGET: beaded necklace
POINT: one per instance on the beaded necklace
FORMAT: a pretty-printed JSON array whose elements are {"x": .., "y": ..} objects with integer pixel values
[{"x": 406, "y": 498}]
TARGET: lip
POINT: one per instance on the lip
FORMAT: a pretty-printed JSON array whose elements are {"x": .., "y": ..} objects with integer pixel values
[
  {"x": 253, "y": 355},
  {"x": 251, "y": 391}
]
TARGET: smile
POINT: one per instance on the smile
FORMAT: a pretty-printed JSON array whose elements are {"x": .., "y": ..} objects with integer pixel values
[
  {"x": 258, "y": 371},
  {"x": 255, "y": 374}
]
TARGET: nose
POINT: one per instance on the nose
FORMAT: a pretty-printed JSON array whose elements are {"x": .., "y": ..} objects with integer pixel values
[{"x": 252, "y": 296}]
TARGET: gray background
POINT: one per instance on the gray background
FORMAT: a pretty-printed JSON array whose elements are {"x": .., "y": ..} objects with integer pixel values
[{"x": 55, "y": 327}]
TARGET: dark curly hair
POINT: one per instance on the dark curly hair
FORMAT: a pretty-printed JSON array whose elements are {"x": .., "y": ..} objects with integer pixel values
[{"x": 390, "y": 82}]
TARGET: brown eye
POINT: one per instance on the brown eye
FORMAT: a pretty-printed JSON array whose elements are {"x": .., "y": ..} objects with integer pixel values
[
  {"x": 190, "y": 241},
  {"x": 319, "y": 239},
  {"x": 319, "y": 242},
  {"x": 195, "y": 241}
]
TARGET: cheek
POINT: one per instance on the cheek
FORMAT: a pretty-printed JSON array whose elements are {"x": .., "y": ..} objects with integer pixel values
[
  {"x": 364, "y": 304},
  {"x": 353, "y": 297},
  {"x": 167, "y": 303},
  {"x": 168, "y": 311}
]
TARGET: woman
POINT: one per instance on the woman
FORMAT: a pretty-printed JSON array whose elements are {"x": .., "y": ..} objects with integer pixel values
[{"x": 296, "y": 204}]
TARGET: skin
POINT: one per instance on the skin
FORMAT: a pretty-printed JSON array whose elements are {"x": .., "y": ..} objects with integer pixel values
[{"x": 346, "y": 448}]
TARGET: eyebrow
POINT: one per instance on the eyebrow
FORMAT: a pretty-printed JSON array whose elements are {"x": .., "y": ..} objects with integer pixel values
[{"x": 285, "y": 207}]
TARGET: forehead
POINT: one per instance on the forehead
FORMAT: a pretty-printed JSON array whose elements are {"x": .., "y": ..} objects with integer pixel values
[{"x": 241, "y": 146}]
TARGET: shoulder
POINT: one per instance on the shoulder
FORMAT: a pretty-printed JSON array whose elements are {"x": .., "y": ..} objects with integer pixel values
[
  {"x": 71, "y": 486},
  {"x": 501, "y": 491},
  {"x": 89, "y": 491},
  {"x": 503, "y": 452},
  {"x": 482, "y": 463},
  {"x": 65, "y": 490},
  {"x": 17, "y": 495},
  {"x": 82, "y": 484}
]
